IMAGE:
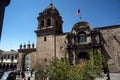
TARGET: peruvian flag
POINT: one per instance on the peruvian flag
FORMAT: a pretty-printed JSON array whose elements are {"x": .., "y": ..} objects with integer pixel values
[{"x": 77, "y": 12}]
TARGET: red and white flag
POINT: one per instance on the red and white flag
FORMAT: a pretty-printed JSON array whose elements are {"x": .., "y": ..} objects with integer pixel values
[{"x": 77, "y": 12}]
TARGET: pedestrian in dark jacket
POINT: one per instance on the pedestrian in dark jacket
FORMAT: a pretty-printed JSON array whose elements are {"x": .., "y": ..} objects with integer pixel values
[
  {"x": 28, "y": 78},
  {"x": 23, "y": 75}
]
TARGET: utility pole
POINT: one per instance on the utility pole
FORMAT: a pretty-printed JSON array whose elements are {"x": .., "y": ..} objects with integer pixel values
[{"x": 3, "y": 4}]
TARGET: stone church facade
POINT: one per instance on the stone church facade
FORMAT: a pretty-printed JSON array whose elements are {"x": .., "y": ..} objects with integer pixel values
[
  {"x": 53, "y": 42},
  {"x": 83, "y": 38}
]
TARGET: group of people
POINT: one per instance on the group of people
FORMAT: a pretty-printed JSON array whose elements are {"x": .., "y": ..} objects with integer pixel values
[
  {"x": 28, "y": 75},
  {"x": 13, "y": 75},
  {"x": 20, "y": 74}
]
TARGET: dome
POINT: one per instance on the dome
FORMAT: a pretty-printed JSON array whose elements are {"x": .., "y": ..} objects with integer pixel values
[
  {"x": 81, "y": 25},
  {"x": 50, "y": 10}
]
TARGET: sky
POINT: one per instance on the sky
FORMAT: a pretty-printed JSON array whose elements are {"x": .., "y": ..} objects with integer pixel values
[{"x": 20, "y": 20}]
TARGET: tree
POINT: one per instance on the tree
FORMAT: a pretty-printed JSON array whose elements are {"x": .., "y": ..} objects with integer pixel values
[
  {"x": 60, "y": 69},
  {"x": 93, "y": 67}
]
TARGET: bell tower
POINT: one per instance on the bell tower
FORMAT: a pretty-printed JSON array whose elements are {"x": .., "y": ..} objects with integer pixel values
[
  {"x": 49, "y": 28},
  {"x": 49, "y": 22}
]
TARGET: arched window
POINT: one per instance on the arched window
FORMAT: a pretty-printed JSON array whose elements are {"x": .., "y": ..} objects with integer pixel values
[
  {"x": 45, "y": 38},
  {"x": 4, "y": 56},
  {"x": 42, "y": 23},
  {"x": 8, "y": 56},
  {"x": 49, "y": 22},
  {"x": 12, "y": 57},
  {"x": 56, "y": 22},
  {"x": 82, "y": 39},
  {"x": 14, "y": 66},
  {"x": 11, "y": 65},
  {"x": 1, "y": 57},
  {"x": 15, "y": 56}
]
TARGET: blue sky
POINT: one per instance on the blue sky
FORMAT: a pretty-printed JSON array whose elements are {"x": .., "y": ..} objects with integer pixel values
[{"x": 20, "y": 18}]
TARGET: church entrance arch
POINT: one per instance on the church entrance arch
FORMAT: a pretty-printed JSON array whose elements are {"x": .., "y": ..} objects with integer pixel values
[{"x": 83, "y": 55}]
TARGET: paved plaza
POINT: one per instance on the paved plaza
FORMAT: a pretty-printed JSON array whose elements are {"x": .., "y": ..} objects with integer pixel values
[
  {"x": 27, "y": 75},
  {"x": 113, "y": 76}
]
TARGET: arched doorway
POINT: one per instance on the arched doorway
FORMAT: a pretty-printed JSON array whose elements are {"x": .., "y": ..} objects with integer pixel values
[
  {"x": 11, "y": 66},
  {"x": 3, "y": 66},
  {"x": 83, "y": 55},
  {"x": 7, "y": 66},
  {"x": 27, "y": 62},
  {"x": 15, "y": 66}
]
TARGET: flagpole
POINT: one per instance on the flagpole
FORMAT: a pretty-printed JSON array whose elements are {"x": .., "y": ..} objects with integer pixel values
[
  {"x": 79, "y": 14},
  {"x": 80, "y": 18}
]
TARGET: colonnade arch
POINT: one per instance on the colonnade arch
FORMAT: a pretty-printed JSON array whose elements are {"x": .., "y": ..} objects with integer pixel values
[{"x": 8, "y": 66}]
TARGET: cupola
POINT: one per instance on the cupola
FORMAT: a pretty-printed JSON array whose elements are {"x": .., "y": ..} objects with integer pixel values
[{"x": 81, "y": 26}]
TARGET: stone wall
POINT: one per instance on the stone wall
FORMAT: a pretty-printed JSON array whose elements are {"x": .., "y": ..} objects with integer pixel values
[
  {"x": 60, "y": 45},
  {"x": 45, "y": 49},
  {"x": 111, "y": 35},
  {"x": 48, "y": 48}
]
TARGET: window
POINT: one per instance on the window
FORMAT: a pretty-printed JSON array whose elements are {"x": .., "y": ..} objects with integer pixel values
[
  {"x": 12, "y": 57},
  {"x": 56, "y": 22},
  {"x": 15, "y": 56},
  {"x": 45, "y": 59},
  {"x": 48, "y": 22},
  {"x": 42, "y": 23},
  {"x": 4, "y": 56},
  {"x": 82, "y": 39},
  {"x": 1, "y": 57},
  {"x": 8, "y": 56},
  {"x": 45, "y": 38}
]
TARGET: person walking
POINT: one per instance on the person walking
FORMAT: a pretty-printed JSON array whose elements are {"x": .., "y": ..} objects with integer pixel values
[
  {"x": 29, "y": 78},
  {"x": 23, "y": 75}
]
